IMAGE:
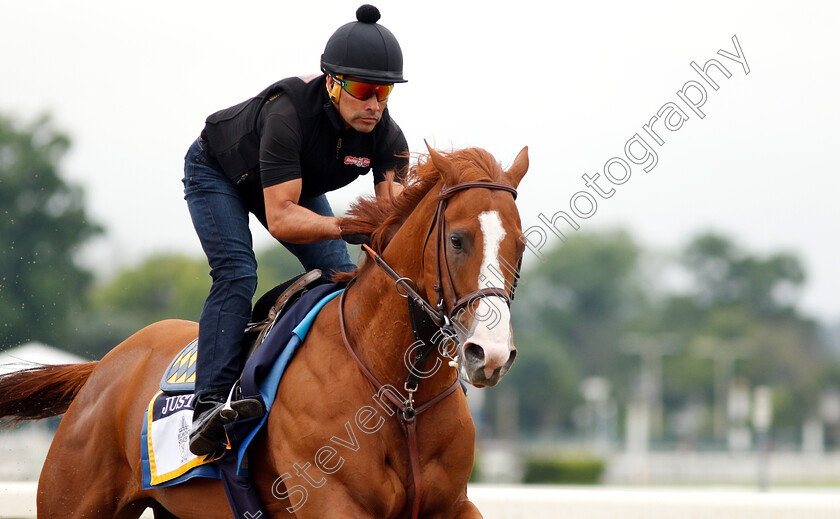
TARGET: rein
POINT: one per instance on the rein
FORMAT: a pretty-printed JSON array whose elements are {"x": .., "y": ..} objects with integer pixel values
[{"x": 425, "y": 321}]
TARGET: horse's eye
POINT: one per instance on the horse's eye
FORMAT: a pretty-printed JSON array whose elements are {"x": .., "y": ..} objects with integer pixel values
[{"x": 455, "y": 241}]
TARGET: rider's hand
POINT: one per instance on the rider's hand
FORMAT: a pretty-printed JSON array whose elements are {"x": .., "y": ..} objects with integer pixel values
[{"x": 356, "y": 238}]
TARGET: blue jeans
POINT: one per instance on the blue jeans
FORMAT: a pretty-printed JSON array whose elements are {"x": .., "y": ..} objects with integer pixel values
[{"x": 220, "y": 217}]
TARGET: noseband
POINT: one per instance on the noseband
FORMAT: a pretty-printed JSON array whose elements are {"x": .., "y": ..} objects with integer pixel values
[{"x": 426, "y": 320}]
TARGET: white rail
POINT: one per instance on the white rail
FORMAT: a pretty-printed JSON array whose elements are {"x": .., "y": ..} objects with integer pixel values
[
  {"x": 652, "y": 503},
  {"x": 521, "y": 502}
]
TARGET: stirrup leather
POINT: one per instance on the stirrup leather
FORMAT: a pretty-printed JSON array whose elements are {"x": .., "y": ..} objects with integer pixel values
[{"x": 265, "y": 325}]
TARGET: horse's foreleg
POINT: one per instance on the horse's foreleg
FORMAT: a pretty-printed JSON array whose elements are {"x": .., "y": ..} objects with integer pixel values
[{"x": 334, "y": 509}]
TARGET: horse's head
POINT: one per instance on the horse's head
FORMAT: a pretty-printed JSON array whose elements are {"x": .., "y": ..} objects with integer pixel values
[{"x": 479, "y": 249}]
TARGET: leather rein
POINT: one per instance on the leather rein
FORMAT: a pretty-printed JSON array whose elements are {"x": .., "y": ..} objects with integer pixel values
[{"x": 426, "y": 320}]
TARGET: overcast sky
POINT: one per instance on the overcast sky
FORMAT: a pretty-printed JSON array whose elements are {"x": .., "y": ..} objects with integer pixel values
[{"x": 133, "y": 82}]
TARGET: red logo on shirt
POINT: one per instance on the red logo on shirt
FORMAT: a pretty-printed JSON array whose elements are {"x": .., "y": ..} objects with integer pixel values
[{"x": 361, "y": 162}]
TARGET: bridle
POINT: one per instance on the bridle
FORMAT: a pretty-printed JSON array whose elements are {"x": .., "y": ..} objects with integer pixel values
[
  {"x": 450, "y": 302},
  {"x": 427, "y": 320}
]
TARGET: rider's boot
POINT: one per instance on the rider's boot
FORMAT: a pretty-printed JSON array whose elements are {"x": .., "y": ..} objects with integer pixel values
[{"x": 210, "y": 417}]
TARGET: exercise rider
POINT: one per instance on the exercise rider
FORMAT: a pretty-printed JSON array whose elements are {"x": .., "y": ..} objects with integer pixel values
[{"x": 275, "y": 156}]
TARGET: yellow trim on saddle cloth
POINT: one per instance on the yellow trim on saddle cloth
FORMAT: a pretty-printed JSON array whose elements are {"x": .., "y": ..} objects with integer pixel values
[
  {"x": 187, "y": 356},
  {"x": 193, "y": 462},
  {"x": 180, "y": 375}
]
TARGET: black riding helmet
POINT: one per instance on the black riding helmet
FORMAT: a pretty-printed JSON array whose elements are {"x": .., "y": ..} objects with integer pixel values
[{"x": 364, "y": 49}]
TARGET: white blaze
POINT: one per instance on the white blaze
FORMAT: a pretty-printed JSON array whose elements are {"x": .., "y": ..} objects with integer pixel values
[{"x": 491, "y": 324}]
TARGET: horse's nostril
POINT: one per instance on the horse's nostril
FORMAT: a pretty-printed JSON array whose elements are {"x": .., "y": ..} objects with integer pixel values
[
  {"x": 511, "y": 358},
  {"x": 474, "y": 353}
]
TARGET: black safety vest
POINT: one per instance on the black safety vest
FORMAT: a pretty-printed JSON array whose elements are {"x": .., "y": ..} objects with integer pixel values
[{"x": 233, "y": 134}]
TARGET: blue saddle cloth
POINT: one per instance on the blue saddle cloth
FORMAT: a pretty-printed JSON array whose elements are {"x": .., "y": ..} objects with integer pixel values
[
  {"x": 266, "y": 366},
  {"x": 259, "y": 379}
]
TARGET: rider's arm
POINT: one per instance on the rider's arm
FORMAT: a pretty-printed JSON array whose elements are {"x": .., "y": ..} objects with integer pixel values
[
  {"x": 289, "y": 222},
  {"x": 280, "y": 149}
]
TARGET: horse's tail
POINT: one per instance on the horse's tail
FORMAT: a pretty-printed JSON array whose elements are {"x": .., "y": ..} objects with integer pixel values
[{"x": 41, "y": 391}]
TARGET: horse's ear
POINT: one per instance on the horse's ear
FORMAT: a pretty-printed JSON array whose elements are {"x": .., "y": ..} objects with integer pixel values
[
  {"x": 443, "y": 165},
  {"x": 518, "y": 169}
]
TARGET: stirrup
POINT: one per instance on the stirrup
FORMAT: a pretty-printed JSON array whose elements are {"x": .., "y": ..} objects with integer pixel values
[{"x": 208, "y": 432}]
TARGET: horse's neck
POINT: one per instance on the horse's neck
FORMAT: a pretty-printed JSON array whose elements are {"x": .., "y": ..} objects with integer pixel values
[{"x": 377, "y": 315}]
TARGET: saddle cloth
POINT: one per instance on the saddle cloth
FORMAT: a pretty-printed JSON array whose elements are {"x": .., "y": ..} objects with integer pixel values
[
  {"x": 179, "y": 377},
  {"x": 165, "y": 456}
]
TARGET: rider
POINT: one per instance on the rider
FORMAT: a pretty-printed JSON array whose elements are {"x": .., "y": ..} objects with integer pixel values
[{"x": 275, "y": 156}]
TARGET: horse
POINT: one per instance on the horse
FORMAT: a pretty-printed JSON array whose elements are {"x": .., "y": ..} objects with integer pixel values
[{"x": 442, "y": 243}]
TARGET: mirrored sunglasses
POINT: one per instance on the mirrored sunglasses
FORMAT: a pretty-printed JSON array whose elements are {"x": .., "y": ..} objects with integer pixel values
[{"x": 361, "y": 90}]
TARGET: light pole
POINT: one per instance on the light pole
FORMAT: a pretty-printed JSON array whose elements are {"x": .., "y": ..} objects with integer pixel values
[
  {"x": 650, "y": 350},
  {"x": 723, "y": 355},
  {"x": 762, "y": 419}
]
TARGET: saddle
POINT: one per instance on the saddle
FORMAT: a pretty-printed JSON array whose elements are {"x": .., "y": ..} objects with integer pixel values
[
  {"x": 179, "y": 377},
  {"x": 273, "y": 304}
]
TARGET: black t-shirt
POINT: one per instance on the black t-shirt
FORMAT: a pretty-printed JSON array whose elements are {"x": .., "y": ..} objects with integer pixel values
[
  {"x": 292, "y": 130},
  {"x": 327, "y": 156}
]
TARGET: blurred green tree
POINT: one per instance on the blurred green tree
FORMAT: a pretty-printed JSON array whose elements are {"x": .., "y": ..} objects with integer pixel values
[
  {"x": 740, "y": 310},
  {"x": 584, "y": 295},
  {"x": 577, "y": 313},
  {"x": 275, "y": 265},
  {"x": 725, "y": 275},
  {"x": 569, "y": 318},
  {"x": 163, "y": 286},
  {"x": 174, "y": 286},
  {"x": 43, "y": 225}
]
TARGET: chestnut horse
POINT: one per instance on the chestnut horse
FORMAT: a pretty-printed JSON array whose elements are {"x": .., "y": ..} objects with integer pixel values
[{"x": 325, "y": 413}]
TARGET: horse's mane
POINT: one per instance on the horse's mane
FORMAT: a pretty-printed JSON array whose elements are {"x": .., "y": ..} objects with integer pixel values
[{"x": 381, "y": 219}]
